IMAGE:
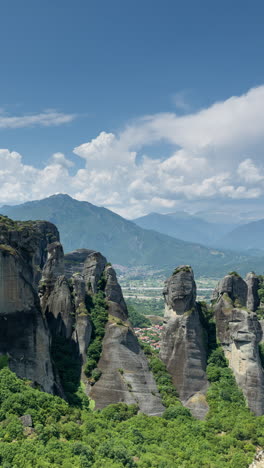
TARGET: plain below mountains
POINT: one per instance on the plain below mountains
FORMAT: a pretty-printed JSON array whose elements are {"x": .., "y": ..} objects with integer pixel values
[{"x": 82, "y": 224}]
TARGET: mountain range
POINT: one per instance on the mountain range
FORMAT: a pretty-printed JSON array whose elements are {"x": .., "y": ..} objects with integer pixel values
[
  {"x": 248, "y": 237},
  {"x": 183, "y": 225},
  {"x": 82, "y": 224}
]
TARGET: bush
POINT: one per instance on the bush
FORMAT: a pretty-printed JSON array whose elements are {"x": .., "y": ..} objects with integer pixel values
[
  {"x": 119, "y": 412},
  {"x": 137, "y": 319},
  {"x": 174, "y": 412}
]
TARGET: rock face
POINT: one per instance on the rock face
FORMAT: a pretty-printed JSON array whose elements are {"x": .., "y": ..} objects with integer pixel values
[
  {"x": 58, "y": 308},
  {"x": 184, "y": 341},
  {"x": 24, "y": 334},
  {"x": 74, "y": 261},
  {"x": 234, "y": 286},
  {"x": 239, "y": 333},
  {"x": 42, "y": 303},
  {"x": 125, "y": 373},
  {"x": 116, "y": 304},
  {"x": 63, "y": 300},
  {"x": 253, "y": 301},
  {"x": 93, "y": 269}
]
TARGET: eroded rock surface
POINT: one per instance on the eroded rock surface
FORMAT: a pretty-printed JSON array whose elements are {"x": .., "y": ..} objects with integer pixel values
[
  {"x": 74, "y": 261},
  {"x": 253, "y": 284},
  {"x": 184, "y": 341},
  {"x": 24, "y": 335},
  {"x": 114, "y": 296},
  {"x": 41, "y": 303},
  {"x": 239, "y": 333},
  {"x": 125, "y": 373}
]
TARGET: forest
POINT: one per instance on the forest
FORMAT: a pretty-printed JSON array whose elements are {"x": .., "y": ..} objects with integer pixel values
[{"x": 42, "y": 431}]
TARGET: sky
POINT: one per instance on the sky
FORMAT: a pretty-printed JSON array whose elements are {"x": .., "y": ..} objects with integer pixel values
[{"x": 139, "y": 106}]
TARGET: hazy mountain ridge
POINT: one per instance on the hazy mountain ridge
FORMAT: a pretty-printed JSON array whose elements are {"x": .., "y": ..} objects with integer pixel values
[
  {"x": 122, "y": 241},
  {"x": 184, "y": 226},
  {"x": 247, "y": 237}
]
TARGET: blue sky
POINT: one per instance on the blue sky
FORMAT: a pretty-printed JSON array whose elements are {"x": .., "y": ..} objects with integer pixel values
[{"x": 74, "y": 69}]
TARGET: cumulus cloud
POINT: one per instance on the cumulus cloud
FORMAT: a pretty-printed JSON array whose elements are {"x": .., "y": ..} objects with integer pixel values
[
  {"x": 59, "y": 158},
  {"x": 44, "y": 119},
  {"x": 207, "y": 163},
  {"x": 248, "y": 172}
]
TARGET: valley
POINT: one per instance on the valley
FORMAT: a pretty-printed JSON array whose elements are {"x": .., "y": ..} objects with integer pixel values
[{"x": 143, "y": 288}]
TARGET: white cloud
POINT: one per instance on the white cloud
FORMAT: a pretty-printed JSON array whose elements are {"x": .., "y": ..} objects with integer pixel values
[
  {"x": 248, "y": 172},
  {"x": 44, "y": 119},
  {"x": 59, "y": 158},
  {"x": 207, "y": 162}
]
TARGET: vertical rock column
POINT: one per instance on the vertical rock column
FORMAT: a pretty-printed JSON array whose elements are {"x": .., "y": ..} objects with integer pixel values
[
  {"x": 184, "y": 341},
  {"x": 239, "y": 333},
  {"x": 125, "y": 372}
]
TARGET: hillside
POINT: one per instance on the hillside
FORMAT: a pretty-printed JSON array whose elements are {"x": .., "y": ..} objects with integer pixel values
[
  {"x": 184, "y": 226},
  {"x": 122, "y": 241},
  {"x": 247, "y": 237}
]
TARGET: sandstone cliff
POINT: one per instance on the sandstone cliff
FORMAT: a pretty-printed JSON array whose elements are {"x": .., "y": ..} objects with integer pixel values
[
  {"x": 253, "y": 285},
  {"x": 67, "y": 288},
  {"x": 239, "y": 333},
  {"x": 124, "y": 372},
  {"x": 24, "y": 335},
  {"x": 184, "y": 341}
]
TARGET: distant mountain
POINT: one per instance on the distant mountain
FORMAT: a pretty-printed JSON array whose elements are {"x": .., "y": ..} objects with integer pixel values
[
  {"x": 83, "y": 225},
  {"x": 249, "y": 237},
  {"x": 184, "y": 226},
  {"x": 239, "y": 214}
]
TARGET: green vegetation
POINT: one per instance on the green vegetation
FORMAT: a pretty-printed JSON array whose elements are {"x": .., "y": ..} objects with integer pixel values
[
  {"x": 163, "y": 379},
  {"x": 68, "y": 366},
  {"x": 63, "y": 435},
  {"x": 8, "y": 249},
  {"x": 260, "y": 310},
  {"x": 81, "y": 309},
  {"x": 137, "y": 319},
  {"x": 233, "y": 273},
  {"x": 184, "y": 268},
  {"x": 116, "y": 437},
  {"x": 146, "y": 307},
  {"x": 228, "y": 412},
  {"x": 3, "y": 361},
  {"x": 98, "y": 313},
  {"x": 261, "y": 288}
]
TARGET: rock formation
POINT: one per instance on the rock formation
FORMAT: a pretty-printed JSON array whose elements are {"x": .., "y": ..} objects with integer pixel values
[
  {"x": 125, "y": 375},
  {"x": 239, "y": 333},
  {"x": 253, "y": 301},
  {"x": 41, "y": 301},
  {"x": 47, "y": 298},
  {"x": 24, "y": 335},
  {"x": 184, "y": 341}
]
